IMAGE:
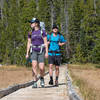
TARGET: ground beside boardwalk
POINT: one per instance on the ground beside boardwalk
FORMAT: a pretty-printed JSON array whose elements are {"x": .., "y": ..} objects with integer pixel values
[
  {"x": 87, "y": 78},
  {"x": 11, "y": 75}
]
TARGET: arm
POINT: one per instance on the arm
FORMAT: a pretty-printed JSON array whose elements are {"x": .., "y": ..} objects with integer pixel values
[
  {"x": 28, "y": 47},
  {"x": 48, "y": 39},
  {"x": 61, "y": 44},
  {"x": 62, "y": 41},
  {"x": 46, "y": 46}
]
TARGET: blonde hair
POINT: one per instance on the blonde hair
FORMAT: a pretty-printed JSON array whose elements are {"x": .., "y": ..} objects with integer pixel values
[{"x": 30, "y": 32}]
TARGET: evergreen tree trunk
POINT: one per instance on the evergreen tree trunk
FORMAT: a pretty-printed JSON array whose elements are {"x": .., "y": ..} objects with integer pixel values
[
  {"x": 95, "y": 6},
  {"x": 1, "y": 8},
  {"x": 52, "y": 13}
]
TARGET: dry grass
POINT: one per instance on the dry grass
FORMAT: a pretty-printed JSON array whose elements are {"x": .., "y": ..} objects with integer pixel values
[
  {"x": 11, "y": 75},
  {"x": 87, "y": 78},
  {"x": 87, "y": 66}
]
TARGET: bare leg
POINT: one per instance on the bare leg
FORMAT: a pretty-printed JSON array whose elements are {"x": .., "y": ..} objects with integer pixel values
[
  {"x": 41, "y": 66},
  {"x": 51, "y": 69},
  {"x": 34, "y": 70},
  {"x": 42, "y": 70},
  {"x": 57, "y": 75},
  {"x": 57, "y": 71}
]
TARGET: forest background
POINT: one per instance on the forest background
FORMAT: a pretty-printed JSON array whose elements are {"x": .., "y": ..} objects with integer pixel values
[{"x": 78, "y": 21}]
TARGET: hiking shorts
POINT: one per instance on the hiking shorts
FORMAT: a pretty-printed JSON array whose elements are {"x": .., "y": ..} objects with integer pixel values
[
  {"x": 55, "y": 60},
  {"x": 35, "y": 56}
]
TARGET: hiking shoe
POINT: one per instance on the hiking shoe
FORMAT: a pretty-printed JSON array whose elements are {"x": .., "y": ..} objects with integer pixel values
[
  {"x": 51, "y": 82},
  {"x": 56, "y": 83},
  {"x": 42, "y": 82},
  {"x": 34, "y": 85}
]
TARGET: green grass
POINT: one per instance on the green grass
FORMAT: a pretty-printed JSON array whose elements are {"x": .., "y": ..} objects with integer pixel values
[{"x": 97, "y": 66}]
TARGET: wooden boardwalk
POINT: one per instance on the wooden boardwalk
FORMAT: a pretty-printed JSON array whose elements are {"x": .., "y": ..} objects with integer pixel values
[{"x": 47, "y": 93}]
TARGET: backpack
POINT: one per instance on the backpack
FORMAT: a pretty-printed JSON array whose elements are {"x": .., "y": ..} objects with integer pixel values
[{"x": 42, "y": 25}]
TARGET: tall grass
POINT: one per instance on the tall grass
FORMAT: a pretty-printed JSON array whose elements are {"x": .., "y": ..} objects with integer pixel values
[{"x": 88, "y": 92}]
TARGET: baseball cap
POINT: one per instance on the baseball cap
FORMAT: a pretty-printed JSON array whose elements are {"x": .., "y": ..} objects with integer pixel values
[
  {"x": 55, "y": 26},
  {"x": 34, "y": 20}
]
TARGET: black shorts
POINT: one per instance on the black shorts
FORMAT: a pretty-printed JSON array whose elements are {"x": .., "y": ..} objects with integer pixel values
[{"x": 56, "y": 60}]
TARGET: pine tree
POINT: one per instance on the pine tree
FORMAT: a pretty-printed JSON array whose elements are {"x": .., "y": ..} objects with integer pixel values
[
  {"x": 83, "y": 30},
  {"x": 75, "y": 18},
  {"x": 96, "y": 49},
  {"x": 43, "y": 13},
  {"x": 78, "y": 21}
]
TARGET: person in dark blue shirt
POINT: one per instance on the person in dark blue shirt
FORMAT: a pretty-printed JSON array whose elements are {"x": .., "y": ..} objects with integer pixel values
[{"x": 55, "y": 41}]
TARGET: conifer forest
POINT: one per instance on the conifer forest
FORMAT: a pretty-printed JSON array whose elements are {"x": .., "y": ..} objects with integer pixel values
[{"x": 78, "y": 21}]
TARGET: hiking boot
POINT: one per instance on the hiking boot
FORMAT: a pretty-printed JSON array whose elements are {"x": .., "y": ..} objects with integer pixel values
[
  {"x": 42, "y": 82},
  {"x": 34, "y": 85},
  {"x": 56, "y": 83},
  {"x": 51, "y": 82}
]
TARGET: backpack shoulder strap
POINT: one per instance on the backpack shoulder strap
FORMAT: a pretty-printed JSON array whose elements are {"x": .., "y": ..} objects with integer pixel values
[
  {"x": 50, "y": 37},
  {"x": 59, "y": 37},
  {"x": 41, "y": 33}
]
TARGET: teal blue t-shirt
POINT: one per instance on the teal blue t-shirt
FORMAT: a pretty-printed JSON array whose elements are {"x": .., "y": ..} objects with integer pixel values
[{"x": 54, "y": 40}]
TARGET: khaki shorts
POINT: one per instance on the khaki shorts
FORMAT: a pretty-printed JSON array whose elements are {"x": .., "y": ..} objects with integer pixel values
[{"x": 35, "y": 56}]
